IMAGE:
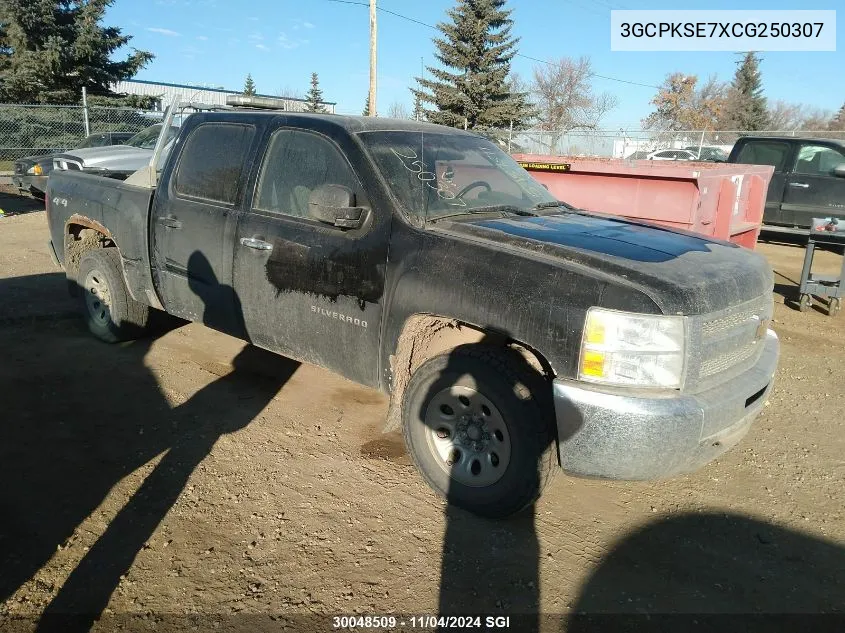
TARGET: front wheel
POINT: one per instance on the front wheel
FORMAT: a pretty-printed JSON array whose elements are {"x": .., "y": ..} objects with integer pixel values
[
  {"x": 111, "y": 313},
  {"x": 478, "y": 423}
]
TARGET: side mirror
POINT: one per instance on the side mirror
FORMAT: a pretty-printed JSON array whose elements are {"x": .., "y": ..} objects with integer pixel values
[
  {"x": 839, "y": 170},
  {"x": 335, "y": 205}
]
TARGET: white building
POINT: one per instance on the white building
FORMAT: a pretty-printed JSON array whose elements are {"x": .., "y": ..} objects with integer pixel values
[{"x": 166, "y": 92}]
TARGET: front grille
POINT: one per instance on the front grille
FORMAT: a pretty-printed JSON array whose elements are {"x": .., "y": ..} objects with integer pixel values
[
  {"x": 724, "y": 344},
  {"x": 724, "y": 362}
]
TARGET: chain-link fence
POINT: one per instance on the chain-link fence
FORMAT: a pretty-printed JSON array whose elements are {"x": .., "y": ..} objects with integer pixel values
[
  {"x": 27, "y": 130},
  {"x": 636, "y": 144},
  {"x": 31, "y": 130}
]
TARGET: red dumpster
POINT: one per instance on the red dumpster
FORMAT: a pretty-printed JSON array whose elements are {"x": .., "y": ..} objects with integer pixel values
[{"x": 720, "y": 200}]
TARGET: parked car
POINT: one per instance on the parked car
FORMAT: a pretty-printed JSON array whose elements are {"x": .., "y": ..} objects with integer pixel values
[
  {"x": 671, "y": 154},
  {"x": 638, "y": 155},
  {"x": 809, "y": 178},
  {"x": 30, "y": 173},
  {"x": 511, "y": 331},
  {"x": 118, "y": 161},
  {"x": 708, "y": 153}
]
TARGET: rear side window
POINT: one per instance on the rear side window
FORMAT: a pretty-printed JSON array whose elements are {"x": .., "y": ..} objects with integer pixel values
[
  {"x": 772, "y": 153},
  {"x": 212, "y": 162}
]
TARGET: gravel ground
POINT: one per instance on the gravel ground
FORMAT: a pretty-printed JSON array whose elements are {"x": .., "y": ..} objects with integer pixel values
[{"x": 187, "y": 476}]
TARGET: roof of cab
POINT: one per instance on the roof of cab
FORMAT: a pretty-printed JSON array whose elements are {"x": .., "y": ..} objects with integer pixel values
[
  {"x": 799, "y": 139},
  {"x": 352, "y": 124}
]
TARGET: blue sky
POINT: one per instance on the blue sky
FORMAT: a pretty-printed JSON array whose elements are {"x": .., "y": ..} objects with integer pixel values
[{"x": 281, "y": 42}]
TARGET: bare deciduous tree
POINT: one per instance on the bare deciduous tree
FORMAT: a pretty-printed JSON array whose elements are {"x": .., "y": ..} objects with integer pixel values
[
  {"x": 564, "y": 97},
  {"x": 801, "y": 117},
  {"x": 397, "y": 110},
  {"x": 815, "y": 119},
  {"x": 290, "y": 93},
  {"x": 785, "y": 116}
]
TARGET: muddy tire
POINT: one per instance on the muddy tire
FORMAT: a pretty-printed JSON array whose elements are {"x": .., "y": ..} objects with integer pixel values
[
  {"x": 479, "y": 425},
  {"x": 111, "y": 313}
]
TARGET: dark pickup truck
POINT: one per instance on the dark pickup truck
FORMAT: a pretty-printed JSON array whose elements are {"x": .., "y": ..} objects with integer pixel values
[
  {"x": 809, "y": 178},
  {"x": 511, "y": 331}
]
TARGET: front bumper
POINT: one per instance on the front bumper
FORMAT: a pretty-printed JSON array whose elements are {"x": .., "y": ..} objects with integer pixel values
[{"x": 611, "y": 433}]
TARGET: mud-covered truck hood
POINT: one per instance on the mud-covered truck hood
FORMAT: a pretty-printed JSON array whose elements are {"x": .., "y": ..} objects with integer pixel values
[{"x": 682, "y": 273}]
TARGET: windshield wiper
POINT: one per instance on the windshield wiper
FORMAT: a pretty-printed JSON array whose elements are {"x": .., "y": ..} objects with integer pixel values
[
  {"x": 553, "y": 204},
  {"x": 505, "y": 208},
  {"x": 494, "y": 208}
]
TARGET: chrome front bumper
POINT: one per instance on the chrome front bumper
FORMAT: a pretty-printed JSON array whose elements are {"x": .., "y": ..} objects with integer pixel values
[{"x": 616, "y": 434}]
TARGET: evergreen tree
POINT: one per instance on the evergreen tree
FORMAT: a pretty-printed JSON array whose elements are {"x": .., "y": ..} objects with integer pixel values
[
  {"x": 419, "y": 113},
  {"x": 838, "y": 122},
  {"x": 50, "y": 49},
  {"x": 366, "y": 111},
  {"x": 746, "y": 106},
  {"x": 249, "y": 86},
  {"x": 476, "y": 50},
  {"x": 314, "y": 97}
]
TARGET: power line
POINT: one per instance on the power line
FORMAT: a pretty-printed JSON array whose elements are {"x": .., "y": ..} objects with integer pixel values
[
  {"x": 533, "y": 59},
  {"x": 589, "y": 8}
]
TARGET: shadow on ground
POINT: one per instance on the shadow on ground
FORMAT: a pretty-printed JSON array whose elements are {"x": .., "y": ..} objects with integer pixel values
[
  {"x": 713, "y": 572},
  {"x": 13, "y": 204},
  {"x": 727, "y": 572},
  {"x": 78, "y": 416}
]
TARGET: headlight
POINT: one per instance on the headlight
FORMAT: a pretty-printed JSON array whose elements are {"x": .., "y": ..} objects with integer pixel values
[
  {"x": 638, "y": 350},
  {"x": 35, "y": 170}
]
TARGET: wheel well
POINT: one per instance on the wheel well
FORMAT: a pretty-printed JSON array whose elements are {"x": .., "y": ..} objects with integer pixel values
[
  {"x": 79, "y": 239},
  {"x": 424, "y": 336}
]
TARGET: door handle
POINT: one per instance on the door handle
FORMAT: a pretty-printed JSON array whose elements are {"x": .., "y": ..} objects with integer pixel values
[
  {"x": 170, "y": 222},
  {"x": 800, "y": 185},
  {"x": 259, "y": 245}
]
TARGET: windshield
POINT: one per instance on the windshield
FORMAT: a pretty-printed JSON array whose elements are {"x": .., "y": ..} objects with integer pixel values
[
  {"x": 438, "y": 174},
  {"x": 146, "y": 139},
  {"x": 95, "y": 140},
  {"x": 710, "y": 153}
]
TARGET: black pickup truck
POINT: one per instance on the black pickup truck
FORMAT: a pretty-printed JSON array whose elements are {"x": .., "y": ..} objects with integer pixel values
[
  {"x": 809, "y": 178},
  {"x": 511, "y": 331}
]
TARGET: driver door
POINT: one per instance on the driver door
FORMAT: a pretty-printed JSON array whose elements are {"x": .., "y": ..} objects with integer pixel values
[
  {"x": 812, "y": 189},
  {"x": 308, "y": 289}
]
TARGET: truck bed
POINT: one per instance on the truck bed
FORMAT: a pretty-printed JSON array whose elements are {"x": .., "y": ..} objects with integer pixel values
[{"x": 119, "y": 210}]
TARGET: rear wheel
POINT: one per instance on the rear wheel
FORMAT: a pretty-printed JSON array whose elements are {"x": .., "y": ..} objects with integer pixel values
[
  {"x": 834, "y": 306},
  {"x": 478, "y": 423},
  {"x": 111, "y": 313},
  {"x": 805, "y": 302}
]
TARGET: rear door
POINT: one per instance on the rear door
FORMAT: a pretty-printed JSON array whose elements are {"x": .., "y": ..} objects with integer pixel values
[
  {"x": 773, "y": 152},
  {"x": 193, "y": 224},
  {"x": 308, "y": 289},
  {"x": 812, "y": 191}
]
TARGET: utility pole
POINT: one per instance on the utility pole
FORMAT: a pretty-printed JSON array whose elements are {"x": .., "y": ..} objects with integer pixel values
[
  {"x": 85, "y": 121},
  {"x": 373, "y": 110}
]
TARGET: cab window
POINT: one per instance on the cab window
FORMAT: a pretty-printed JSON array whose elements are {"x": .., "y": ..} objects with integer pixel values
[
  {"x": 295, "y": 164},
  {"x": 818, "y": 160},
  {"x": 772, "y": 153},
  {"x": 212, "y": 162}
]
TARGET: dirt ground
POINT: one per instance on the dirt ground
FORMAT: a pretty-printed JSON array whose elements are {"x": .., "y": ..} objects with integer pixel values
[{"x": 188, "y": 476}]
